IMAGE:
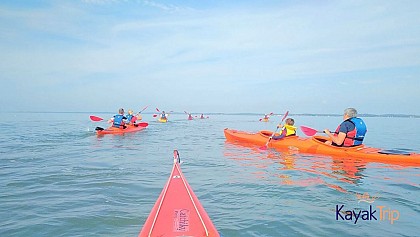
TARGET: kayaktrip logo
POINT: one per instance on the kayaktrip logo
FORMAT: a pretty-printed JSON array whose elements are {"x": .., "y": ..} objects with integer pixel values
[{"x": 373, "y": 213}]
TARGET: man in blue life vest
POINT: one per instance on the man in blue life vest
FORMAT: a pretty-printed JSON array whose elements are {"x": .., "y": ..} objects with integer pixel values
[
  {"x": 350, "y": 132},
  {"x": 119, "y": 120}
]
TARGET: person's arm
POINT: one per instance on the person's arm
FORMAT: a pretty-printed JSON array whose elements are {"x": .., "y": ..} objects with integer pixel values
[
  {"x": 339, "y": 139},
  {"x": 282, "y": 135}
]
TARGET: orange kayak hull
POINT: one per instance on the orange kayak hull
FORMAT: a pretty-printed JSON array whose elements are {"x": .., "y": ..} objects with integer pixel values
[
  {"x": 177, "y": 211},
  {"x": 130, "y": 128},
  {"x": 316, "y": 145}
]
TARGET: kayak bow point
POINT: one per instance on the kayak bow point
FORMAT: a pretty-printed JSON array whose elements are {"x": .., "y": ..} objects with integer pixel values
[{"x": 177, "y": 211}]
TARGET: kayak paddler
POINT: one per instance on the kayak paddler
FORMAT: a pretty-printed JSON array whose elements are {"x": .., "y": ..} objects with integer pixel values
[
  {"x": 286, "y": 130},
  {"x": 131, "y": 118},
  {"x": 119, "y": 119},
  {"x": 350, "y": 132},
  {"x": 163, "y": 115}
]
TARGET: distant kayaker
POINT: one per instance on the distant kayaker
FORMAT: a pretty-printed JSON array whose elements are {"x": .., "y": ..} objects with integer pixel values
[
  {"x": 350, "y": 132},
  {"x": 119, "y": 119},
  {"x": 163, "y": 115},
  {"x": 190, "y": 117},
  {"x": 266, "y": 118},
  {"x": 287, "y": 129},
  {"x": 202, "y": 116}
]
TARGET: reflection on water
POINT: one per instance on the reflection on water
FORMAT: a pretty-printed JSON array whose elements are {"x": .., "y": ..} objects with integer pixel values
[{"x": 294, "y": 169}]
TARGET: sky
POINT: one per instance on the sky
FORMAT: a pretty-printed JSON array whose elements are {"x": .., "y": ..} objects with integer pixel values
[{"x": 210, "y": 56}]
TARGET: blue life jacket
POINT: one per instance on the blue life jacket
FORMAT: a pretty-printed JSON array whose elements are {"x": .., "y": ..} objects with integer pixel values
[
  {"x": 361, "y": 130},
  {"x": 118, "y": 120},
  {"x": 129, "y": 117}
]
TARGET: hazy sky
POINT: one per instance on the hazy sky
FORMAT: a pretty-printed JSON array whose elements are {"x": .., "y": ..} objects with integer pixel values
[{"x": 210, "y": 56}]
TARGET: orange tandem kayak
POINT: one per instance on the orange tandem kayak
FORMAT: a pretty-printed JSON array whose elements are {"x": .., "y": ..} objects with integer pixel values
[
  {"x": 316, "y": 145},
  {"x": 114, "y": 130},
  {"x": 177, "y": 211}
]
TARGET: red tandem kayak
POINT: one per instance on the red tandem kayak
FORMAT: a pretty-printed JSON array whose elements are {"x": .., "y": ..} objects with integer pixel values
[
  {"x": 114, "y": 130},
  {"x": 316, "y": 145},
  {"x": 177, "y": 211}
]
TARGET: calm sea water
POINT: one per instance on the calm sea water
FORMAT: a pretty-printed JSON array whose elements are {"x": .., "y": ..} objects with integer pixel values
[{"x": 59, "y": 179}]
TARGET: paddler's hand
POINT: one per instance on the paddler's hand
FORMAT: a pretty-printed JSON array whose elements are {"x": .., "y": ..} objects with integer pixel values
[{"x": 327, "y": 131}]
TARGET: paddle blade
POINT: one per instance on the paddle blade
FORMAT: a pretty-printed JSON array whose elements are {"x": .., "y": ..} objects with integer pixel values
[
  {"x": 95, "y": 118},
  {"x": 144, "y": 124},
  {"x": 157, "y": 110},
  {"x": 263, "y": 148},
  {"x": 308, "y": 131},
  {"x": 155, "y": 115}
]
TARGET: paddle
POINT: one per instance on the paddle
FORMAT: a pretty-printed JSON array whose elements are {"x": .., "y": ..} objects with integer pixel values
[
  {"x": 134, "y": 118},
  {"x": 155, "y": 115},
  {"x": 309, "y": 131},
  {"x": 95, "y": 118},
  {"x": 142, "y": 110},
  {"x": 269, "y": 139}
]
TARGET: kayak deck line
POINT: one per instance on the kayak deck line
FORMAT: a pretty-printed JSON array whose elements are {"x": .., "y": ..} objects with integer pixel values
[
  {"x": 178, "y": 212},
  {"x": 191, "y": 198}
]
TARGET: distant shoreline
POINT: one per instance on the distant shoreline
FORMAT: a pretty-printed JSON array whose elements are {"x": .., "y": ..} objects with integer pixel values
[{"x": 218, "y": 113}]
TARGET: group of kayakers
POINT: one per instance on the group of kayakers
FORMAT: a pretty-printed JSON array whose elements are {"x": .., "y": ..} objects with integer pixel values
[
  {"x": 121, "y": 120},
  {"x": 190, "y": 117},
  {"x": 350, "y": 132}
]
